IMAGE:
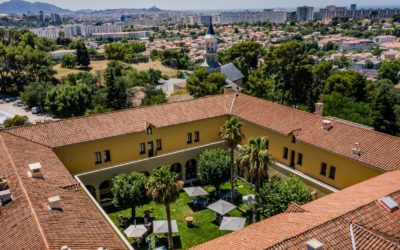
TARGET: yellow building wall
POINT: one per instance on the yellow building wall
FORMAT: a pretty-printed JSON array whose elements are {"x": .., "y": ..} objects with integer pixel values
[
  {"x": 80, "y": 158},
  {"x": 348, "y": 172}
]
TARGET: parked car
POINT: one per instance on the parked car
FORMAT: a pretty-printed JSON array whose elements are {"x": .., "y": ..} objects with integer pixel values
[
  {"x": 18, "y": 103},
  {"x": 35, "y": 110}
]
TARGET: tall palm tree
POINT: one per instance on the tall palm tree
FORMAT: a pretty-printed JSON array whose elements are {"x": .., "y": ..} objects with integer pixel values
[
  {"x": 256, "y": 158},
  {"x": 231, "y": 133},
  {"x": 164, "y": 188}
]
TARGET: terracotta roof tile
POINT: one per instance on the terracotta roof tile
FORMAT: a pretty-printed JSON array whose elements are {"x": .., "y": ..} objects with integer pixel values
[
  {"x": 328, "y": 220},
  {"x": 28, "y": 222}
]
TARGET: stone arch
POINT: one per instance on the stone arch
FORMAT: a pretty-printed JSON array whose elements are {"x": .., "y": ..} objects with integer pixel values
[
  {"x": 177, "y": 168},
  {"x": 191, "y": 170},
  {"x": 92, "y": 190},
  {"x": 105, "y": 192}
]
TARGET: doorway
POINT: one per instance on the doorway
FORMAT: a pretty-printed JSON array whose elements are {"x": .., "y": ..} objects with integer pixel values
[
  {"x": 292, "y": 158},
  {"x": 150, "y": 146}
]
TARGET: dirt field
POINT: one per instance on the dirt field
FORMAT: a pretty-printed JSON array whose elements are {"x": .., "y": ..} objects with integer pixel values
[{"x": 99, "y": 66}]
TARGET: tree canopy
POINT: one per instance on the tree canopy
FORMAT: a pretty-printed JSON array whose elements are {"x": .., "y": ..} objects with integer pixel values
[
  {"x": 214, "y": 165},
  {"x": 276, "y": 195},
  {"x": 202, "y": 84}
]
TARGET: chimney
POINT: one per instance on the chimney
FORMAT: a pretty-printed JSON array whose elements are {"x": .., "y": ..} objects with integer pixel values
[
  {"x": 356, "y": 150},
  {"x": 319, "y": 108},
  {"x": 314, "y": 244},
  {"x": 35, "y": 170},
  {"x": 5, "y": 197},
  {"x": 327, "y": 124},
  {"x": 55, "y": 203}
]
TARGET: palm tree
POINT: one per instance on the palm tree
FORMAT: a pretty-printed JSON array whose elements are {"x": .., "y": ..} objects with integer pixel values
[
  {"x": 165, "y": 189},
  {"x": 231, "y": 133},
  {"x": 256, "y": 158}
]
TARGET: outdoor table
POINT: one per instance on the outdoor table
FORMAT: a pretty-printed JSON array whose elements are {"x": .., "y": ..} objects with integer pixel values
[{"x": 189, "y": 221}]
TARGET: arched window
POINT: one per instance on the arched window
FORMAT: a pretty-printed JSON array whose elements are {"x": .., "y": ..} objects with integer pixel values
[
  {"x": 190, "y": 170},
  {"x": 91, "y": 190},
  {"x": 177, "y": 168}
]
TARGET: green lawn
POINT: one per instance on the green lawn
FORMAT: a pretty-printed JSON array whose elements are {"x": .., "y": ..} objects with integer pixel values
[{"x": 205, "y": 228}]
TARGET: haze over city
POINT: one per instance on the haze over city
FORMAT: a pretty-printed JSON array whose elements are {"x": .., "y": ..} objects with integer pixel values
[{"x": 208, "y": 4}]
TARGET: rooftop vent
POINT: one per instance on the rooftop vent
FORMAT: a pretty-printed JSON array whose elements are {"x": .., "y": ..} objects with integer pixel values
[
  {"x": 35, "y": 170},
  {"x": 5, "y": 197},
  {"x": 356, "y": 150},
  {"x": 3, "y": 183},
  {"x": 389, "y": 203},
  {"x": 327, "y": 124},
  {"x": 55, "y": 203},
  {"x": 65, "y": 248},
  {"x": 314, "y": 244},
  {"x": 319, "y": 108}
]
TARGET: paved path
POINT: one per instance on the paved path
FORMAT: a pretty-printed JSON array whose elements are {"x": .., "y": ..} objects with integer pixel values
[{"x": 9, "y": 110}]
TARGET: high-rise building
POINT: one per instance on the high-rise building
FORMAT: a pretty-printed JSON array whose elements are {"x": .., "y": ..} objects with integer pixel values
[
  {"x": 353, "y": 6},
  {"x": 253, "y": 17},
  {"x": 305, "y": 13}
]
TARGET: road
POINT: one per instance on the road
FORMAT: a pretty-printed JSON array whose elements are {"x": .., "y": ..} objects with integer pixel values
[{"x": 10, "y": 110}]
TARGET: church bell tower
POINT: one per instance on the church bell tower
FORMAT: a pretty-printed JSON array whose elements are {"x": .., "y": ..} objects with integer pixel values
[{"x": 211, "y": 46}]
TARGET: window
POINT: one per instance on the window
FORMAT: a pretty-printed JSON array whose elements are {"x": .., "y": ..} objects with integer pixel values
[
  {"x": 142, "y": 148},
  {"x": 159, "y": 145},
  {"x": 293, "y": 139},
  {"x": 196, "y": 136},
  {"x": 189, "y": 138},
  {"x": 97, "y": 158},
  {"x": 107, "y": 156},
  {"x": 332, "y": 173},
  {"x": 267, "y": 144},
  {"x": 285, "y": 153},
  {"x": 300, "y": 159},
  {"x": 323, "y": 169}
]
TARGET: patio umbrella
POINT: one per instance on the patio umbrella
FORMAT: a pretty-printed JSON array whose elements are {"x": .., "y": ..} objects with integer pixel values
[
  {"x": 161, "y": 226},
  {"x": 195, "y": 191},
  {"x": 232, "y": 223},
  {"x": 135, "y": 231},
  {"x": 221, "y": 207},
  {"x": 250, "y": 199}
]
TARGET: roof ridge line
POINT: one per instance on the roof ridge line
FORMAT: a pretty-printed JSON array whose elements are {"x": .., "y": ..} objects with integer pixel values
[
  {"x": 233, "y": 102},
  {"x": 25, "y": 193},
  {"x": 376, "y": 233},
  {"x": 340, "y": 217}
]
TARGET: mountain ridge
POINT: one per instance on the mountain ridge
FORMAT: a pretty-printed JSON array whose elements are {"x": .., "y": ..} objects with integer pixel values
[{"x": 21, "y": 6}]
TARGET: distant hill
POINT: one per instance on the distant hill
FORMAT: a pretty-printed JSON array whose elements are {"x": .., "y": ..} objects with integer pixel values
[{"x": 21, "y": 6}]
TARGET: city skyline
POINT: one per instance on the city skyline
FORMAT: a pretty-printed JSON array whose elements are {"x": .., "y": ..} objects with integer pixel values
[{"x": 208, "y": 4}]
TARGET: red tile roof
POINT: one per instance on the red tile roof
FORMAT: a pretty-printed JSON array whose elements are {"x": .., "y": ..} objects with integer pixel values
[
  {"x": 89, "y": 128},
  {"x": 328, "y": 220},
  {"x": 27, "y": 223},
  {"x": 377, "y": 149}
]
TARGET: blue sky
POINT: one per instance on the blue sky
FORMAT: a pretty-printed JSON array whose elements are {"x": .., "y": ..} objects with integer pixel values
[{"x": 207, "y": 4}]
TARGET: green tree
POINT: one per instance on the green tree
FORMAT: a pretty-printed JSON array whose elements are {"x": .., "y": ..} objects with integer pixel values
[
  {"x": 68, "y": 61},
  {"x": 244, "y": 55},
  {"x": 117, "y": 95},
  {"x": 201, "y": 84},
  {"x": 153, "y": 96},
  {"x": 256, "y": 160},
  {"x": 231, "y": 133},
  {"x": 348, "y": 83},
  {"x": 69, "y": 100},
  {"x": 82, "y": 55},
  {"x": 384, "y": 105},
  {"x": 214, "y": 167},
  {"x": 390, "y": 70},
  {"x": 347, "y": 108},
  {"x": 16, "y": 121},
  {"x": 129, "y": 190},
  {"x": 35, "y": 94},
  {"x": 276, "y": 196},
  {"x": 164, "y": 187}
]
